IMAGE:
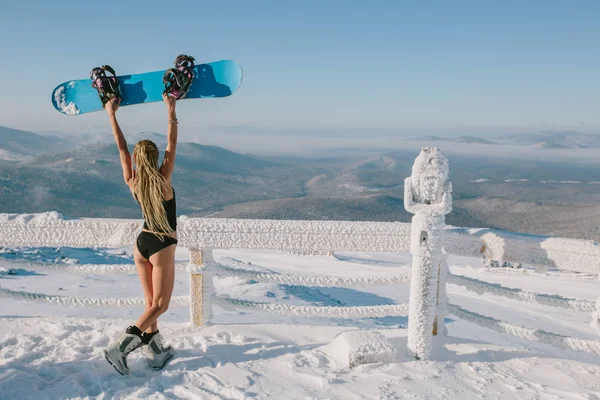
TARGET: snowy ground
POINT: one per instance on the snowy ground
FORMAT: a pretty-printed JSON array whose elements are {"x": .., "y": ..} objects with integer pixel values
[{"x": 53, "y": 351}]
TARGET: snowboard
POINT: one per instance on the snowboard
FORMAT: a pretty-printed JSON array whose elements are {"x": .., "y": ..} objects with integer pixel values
[{"x": 215, "y": 79}]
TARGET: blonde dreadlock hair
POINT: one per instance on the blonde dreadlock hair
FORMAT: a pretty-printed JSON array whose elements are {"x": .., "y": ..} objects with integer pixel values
[{"x": 148, "y": 186}]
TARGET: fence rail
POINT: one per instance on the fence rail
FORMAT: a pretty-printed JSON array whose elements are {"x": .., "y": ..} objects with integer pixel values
[
  {"x": 482, "y": 287},
  {"x": 53, "y": 230},
  {"x": 533, "y": 335}
]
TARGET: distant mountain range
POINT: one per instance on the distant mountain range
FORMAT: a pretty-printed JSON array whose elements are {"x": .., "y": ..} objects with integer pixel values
[
  {"x": 88, "y": 181},
  {"x": 460, "y": 139},
  {"x": 554, "y": 140},
  {"x": 548, "y": 140},
  {"x": 16, "y": 144},
  {"x": 41, "y": 173}
]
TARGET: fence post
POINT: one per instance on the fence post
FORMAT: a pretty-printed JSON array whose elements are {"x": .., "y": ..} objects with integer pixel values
[
  {"x": 201, "y": 271},
  {"x": 428, "y": 195}
]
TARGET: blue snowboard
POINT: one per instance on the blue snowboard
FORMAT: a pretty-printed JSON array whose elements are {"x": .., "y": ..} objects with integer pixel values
[{"x": 216, "y": 79}]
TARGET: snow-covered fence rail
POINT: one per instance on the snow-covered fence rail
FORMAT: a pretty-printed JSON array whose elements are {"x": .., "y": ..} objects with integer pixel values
[
  {"x": 534, "y": 335},
  {"x": 388, "y": 310},
  {"x": 82, "y": 301},
  {"x": 323, "y": 281},
  {"x": 52, "y": 230},
  {"x": 482, "y": 287}
]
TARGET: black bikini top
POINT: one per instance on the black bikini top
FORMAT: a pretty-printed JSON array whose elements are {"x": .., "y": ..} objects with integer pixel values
[{"x": 171, "y": 210}]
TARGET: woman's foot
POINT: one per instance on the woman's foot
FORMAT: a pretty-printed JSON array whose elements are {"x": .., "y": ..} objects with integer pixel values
[
  {"x": 116, "y": 353},
  {"x": 155, "y": 351}
]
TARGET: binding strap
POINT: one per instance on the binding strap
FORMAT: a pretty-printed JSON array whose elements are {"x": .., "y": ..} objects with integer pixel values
[
  {"x": 178, "y": 80},
  {"x": 107, "y": 86}
]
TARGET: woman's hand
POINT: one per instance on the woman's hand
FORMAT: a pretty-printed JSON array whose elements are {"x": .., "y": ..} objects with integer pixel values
[
  {"x": 170, "y": 102},
  {"x": 112, "y": 106}
]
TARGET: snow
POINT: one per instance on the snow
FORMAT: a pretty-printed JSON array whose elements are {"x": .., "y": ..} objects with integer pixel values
[
  {"x": 53, "y": 230},
  {"x": 60, "y": 99},
  {"x": 596, "y": 316},
  {"x": 352, "y": 348},
  {"x": 283, "y": 326},
  {"x": 52, "y": 351}
]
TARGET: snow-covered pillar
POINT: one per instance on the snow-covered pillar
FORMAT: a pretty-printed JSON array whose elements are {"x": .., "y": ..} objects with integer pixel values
[
  {"x": 428, "y": 195},
  {"x": 201, "y": 269}
]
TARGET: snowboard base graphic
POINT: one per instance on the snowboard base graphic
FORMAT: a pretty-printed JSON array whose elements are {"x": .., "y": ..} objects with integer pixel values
[{"x": 215, "y": 79}]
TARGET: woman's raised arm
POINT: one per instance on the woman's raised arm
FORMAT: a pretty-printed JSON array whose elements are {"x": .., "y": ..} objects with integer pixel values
[
  {"x": 168, "y": 164},
  {"x": 111, "y": 108}
]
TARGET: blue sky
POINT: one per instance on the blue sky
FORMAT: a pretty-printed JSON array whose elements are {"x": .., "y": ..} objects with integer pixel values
[{"x": 398, "y": 67}]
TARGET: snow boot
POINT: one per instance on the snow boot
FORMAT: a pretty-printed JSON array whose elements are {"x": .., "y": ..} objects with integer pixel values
[
  {"x": 155, "y": 351},
  {"x": 116, "y": 353}
]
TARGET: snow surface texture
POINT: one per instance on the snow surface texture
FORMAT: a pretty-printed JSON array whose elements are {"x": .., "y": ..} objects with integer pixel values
[
  {"x": 352, "y": 348},
  {"x": 48, "y": 359},
  {"x": 59, "y": 97},
  {"x": 52, "y": 230},
  {"x": 54, "y": 353},
  {"x": 428, "y": 195}
]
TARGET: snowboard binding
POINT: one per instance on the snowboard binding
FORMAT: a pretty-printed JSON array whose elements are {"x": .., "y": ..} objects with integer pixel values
[
  {"x": 107, "y": 86},
  {"x": 178, "y": 80}
]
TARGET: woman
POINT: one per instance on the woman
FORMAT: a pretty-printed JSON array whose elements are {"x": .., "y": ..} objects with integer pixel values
[{"x": 154, "y": 252}]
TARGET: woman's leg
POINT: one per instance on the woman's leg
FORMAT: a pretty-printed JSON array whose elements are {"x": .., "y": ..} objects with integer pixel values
[
  {"x": 144, "y": 269},
  {"x": 163, "y": 281}
]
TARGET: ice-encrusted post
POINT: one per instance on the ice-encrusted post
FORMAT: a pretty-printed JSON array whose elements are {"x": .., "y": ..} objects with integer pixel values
[
  {"x": 201, "y": 269},
  {"x": 428, "y": 195}
]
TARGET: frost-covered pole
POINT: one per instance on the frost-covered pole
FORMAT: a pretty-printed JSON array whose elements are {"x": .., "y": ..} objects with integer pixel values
[
  {"x": 428, "y": 195},
  {"x": 201, "y": 269}
]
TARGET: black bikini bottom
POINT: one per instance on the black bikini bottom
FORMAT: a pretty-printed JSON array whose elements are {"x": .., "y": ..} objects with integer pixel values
[{"x": 149, "y": 243}]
